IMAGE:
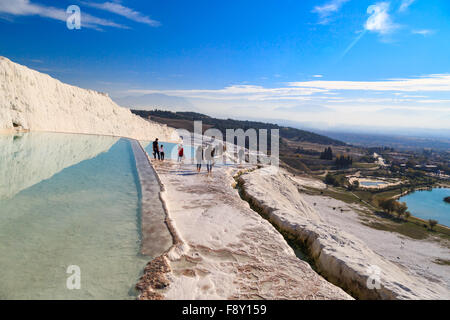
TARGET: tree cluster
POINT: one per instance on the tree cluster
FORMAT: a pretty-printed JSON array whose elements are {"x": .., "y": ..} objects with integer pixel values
[
  {"x": 343, "y": 161},
  {"x": 327, "y": 154},
  {"x": 393, "y": 206},
  {"x": 336, "y": 180}
]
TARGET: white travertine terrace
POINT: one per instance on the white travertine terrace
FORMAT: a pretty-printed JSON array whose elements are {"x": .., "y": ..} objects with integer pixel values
[
  {"x": 340, "y": 256},
  {"x": 30, "y": 100},
  {"x": 224, "y": 250}
]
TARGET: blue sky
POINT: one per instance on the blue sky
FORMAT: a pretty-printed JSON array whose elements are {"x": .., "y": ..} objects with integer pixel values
[{"x": 325, "y": 62}]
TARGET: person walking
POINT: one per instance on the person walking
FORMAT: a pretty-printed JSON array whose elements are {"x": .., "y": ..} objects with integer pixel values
[
  {"x": 241, "y": 156},
  {"x": 199, "y": 157},
  {"x": 219, "y": 153},
  {"x": 161, "y": 151},
  {"x": 209, "y": 155},
  {"x": 180, "y": 152},
  {"x": 156, "y": 149}
]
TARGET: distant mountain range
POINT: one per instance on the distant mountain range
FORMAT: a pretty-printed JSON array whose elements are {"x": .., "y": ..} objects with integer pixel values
[
  {"x": 185, "y": 120},
  {"x": 399, "y": 142},
  {"x": 155, "y": 100}
]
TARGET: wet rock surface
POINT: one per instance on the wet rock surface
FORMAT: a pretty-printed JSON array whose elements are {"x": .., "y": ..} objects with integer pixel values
[
  {"x": 156, "y": 237},
  {"x": 225, "y": 250}
]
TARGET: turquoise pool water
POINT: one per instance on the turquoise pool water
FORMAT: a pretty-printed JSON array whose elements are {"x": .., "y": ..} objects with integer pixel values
[
  {"x": 68, "y": 200},
  {"x": 371, "y": 184},
  {"x": 429, "y": 205}
]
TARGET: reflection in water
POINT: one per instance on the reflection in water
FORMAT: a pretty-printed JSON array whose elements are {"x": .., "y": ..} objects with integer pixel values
[
  {"x": 27, "y": 159},
  {"x": 86, "y": 214}
]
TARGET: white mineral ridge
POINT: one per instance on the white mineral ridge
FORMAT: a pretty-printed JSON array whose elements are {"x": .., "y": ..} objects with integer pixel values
[
  {"x": 229, "y": 251},
  {"x": 341, "y": 256},
  {"x": 34, "y": 101}
]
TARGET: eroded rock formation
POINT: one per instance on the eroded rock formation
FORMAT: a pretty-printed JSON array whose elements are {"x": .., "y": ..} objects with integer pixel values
[{"x": 339, "y": 256}]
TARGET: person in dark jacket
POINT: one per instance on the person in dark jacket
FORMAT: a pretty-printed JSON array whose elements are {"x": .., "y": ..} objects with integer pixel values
[
  {"x": 156, "y": 149},
  {"x": 209, "y": 155}
]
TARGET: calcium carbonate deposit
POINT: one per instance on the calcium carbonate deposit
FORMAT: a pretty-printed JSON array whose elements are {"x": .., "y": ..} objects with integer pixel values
[
  {"x": 30, "y": 100},
  {"x": 339, "y": 255}
]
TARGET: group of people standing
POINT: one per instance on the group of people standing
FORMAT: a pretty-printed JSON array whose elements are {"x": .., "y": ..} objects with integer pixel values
[
  {"x": 201, "y": 155},
  {"x": 207, "y": 154},
  {"x": 158, "y": 150}
]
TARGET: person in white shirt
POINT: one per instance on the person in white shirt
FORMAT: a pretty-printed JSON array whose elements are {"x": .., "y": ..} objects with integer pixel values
[
  {"x": 199, "y": 157},
  {"x": 161, "y": 152}
]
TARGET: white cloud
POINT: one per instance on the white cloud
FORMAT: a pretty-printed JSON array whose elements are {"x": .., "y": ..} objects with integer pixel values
[
  {"x": 441, "y": 101},
  {"x": 412, "y": 96},
  {"x": 351, "y": 102},
  {"x": 436, "y": 83},
  {"x": 247, "y": 92},
  {"x": 27, "y": 8},
  {"x": 424, "y": 32},
  {"x": 317, "y": 76},
  {"x": 128, "y": 13},
  {"x": 302, "y": 108},
  {"x": 405, "y": 5},
  {"x": 326, "y": 10},
  {"x": 319, "y": 90},
  {"x": 380, "y": 21}
]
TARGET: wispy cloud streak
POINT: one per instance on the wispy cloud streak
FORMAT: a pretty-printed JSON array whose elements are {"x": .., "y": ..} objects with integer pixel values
[
  {"x": 405, "y": 5},
  {"x": 350, "y": 47},
  {"x": 249, "y": 92},
  {"x": 424, "y": 32},
  {"x": 312, "y": 90},
  {"x": 123, "y": 11},
  {"x": 326, "y": 10},
  {"x": 27, "y": 8},
  {"x": 433, "y": 83}
]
